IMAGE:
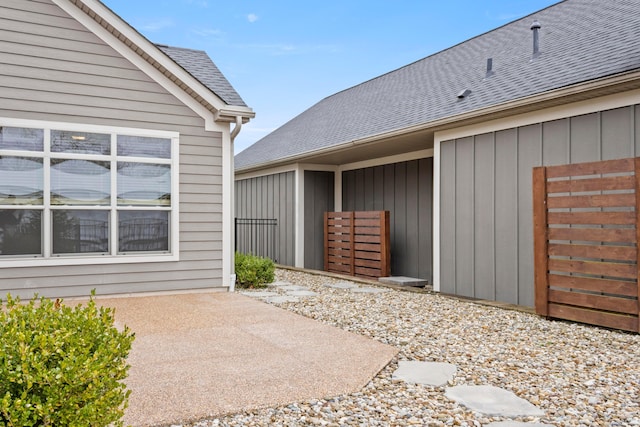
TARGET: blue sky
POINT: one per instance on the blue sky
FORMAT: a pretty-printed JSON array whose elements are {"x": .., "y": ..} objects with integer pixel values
[{"x": 283, "y": 56}]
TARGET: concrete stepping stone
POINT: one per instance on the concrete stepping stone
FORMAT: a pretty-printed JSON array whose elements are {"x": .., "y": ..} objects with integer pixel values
[
  {"x": 281, "y": 298},
  {"x": 280, "y": 283},
  {"x": 302, "y": 293},
  {"x": 369, "y": 290},
  {"x": 403, "y": 281},
  {"x": 516, "y": 424},
  {"x": 293, "y": 288},
  {"x": 259, "y": 294},
  {"x": 493, "y": 401},
  {"x": 427, "y": 373},
  {"x": 341, "y": 285}
]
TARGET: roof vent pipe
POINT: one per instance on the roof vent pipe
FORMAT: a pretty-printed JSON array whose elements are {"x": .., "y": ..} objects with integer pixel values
[
  {"x": 535, "y": 27},
  {"x": 489, "y": 67}
]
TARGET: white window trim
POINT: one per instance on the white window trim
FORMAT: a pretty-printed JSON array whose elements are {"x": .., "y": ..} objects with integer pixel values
[{"x": 88, "y": 259}]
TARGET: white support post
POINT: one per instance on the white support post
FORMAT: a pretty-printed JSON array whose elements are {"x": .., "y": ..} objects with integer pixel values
[{"x": 299, "y": 216}]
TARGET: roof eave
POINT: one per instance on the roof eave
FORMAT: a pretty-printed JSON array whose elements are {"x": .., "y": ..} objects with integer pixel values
[
  {"x": 140, "y": 45},
  {"x": 594, "y": 87}
]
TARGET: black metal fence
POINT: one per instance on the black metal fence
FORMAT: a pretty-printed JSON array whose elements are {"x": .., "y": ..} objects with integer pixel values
[{"x": 257, "y": 236}]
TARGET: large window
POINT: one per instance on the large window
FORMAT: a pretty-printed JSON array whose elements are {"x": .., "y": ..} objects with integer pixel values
[{"x": 72, "y": 193}]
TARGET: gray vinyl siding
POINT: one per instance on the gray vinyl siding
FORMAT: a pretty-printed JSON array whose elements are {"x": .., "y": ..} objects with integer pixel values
[
  {"x": 53, "y": 69},
  {"x": 269, "y": 197},
  {"x": 405, "y": 189},
  {"x": 486, "y": 201},
  {"x": 318, "y": 199}
]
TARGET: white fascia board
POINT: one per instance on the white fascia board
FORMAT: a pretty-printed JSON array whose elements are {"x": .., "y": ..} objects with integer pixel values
[
  {"x": 266, "y": 172},
  {"x": 155, "y": 54}
]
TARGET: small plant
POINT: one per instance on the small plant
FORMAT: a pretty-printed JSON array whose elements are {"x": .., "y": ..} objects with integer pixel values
[
  {"x": 253, "y": 271},
  {"x": 61, "y": 366}
]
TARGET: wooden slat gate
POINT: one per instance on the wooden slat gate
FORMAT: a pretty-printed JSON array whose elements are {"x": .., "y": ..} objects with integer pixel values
[
  {"x": 586, "y": 232},
  {"x": 357, "y": 243}
]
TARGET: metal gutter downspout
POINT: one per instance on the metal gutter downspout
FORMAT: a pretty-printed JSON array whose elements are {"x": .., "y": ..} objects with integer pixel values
[{"x": 230, "y": 199}]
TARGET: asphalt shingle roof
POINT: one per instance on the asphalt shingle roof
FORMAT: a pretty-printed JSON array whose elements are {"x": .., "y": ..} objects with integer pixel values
[
  {"x": 199, "y": 65},
  {"x": 580, "y": 40}
]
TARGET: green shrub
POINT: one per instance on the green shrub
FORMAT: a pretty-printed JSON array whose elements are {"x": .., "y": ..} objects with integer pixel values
[
  {"x": 253, "y": 271},
  {"x": 61, "y": 366}
]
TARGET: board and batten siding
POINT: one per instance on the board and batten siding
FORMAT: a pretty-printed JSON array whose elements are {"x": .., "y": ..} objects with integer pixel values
[
  {"x": 486, "y": 212},
  {"x": 405, "y": 189},
  {"x": 53, "y": 69},
  {"x": 318, "y": 199},
  {"x": 271, "y": 197}
]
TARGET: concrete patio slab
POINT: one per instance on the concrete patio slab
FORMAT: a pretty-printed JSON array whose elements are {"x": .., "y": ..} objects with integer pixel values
[
  {"x": 199, "y": 355},
  {"x": 279, "y": 299},
  {"x": 428, "y": 373},
  {"x": 492, "y": 400}
]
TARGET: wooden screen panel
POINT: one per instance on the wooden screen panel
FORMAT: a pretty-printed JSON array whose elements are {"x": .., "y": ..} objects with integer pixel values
[
  {"x": 586, "y": 238},
  {"x": 357, "y": 243}
]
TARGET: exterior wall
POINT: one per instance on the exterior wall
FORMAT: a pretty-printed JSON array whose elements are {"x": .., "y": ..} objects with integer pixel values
[
  {"x": 486, "y": 218},
  {"x": 271, "y": 196},
  {"x": 318, "y": 199},
  {"x": 406, "y": 190},
  {"x": 52, "y": 68}
]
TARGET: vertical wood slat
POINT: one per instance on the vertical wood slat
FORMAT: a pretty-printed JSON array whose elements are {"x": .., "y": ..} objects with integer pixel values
[
  {"x": 367, "y": 245},
  {"x": 581, "y": 274},
  {"x": 540, "y": 242}
]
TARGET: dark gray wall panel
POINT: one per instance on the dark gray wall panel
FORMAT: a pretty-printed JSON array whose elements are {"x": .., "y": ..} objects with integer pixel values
[
  {"x": 266, "y": 197},
  {"x": 484, "y": 249},
  {"x": 529, "y": 155},
  {"x": 464, "y": 217},
  {"x": 405, "y": 189},
  {"x": 318, "y": 199},
  {"x": 486, "y": 199},
  {"x": 506, "y": 226},
  {"x": 585, "y": 138},
  {"x": 617, "y": 133},
  {"x": 447, "y": 217}
]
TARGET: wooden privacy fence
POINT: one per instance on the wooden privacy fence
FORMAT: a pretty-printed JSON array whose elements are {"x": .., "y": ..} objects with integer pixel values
[
  {"x": 357, "y": 243},
  {"x": 586, "y": 224}
]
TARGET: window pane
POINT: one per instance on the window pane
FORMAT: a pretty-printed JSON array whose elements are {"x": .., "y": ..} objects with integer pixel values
[
  {"x": 80, "y": 232},
  {"x": 20, "y": 232},
  {"x": 140, "y": 146},
  {"x": 80, "y": 182},
  {"x": 144, "y": 184},
  {"x": 63, "y": 141},
  {"x": 21, "y": 181},
  {"x": 143, "y": 231},
  {"x": 21, "y": 139}
]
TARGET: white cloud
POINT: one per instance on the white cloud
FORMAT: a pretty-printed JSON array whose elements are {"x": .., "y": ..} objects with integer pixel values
[
  {"x": 158, "y": 25},
  {"x": 207, "y": 32},
  {"x": 252, "y": 17}
]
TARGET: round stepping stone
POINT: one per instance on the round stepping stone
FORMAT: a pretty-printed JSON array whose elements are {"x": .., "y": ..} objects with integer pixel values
[
  {"x": 341, "y": 285},
  {"x": 516, "y": 424},
  {"x": 369, "y": 290},
  {"x": 427, "y": 373},
  {"x": 493, "y": 401}
]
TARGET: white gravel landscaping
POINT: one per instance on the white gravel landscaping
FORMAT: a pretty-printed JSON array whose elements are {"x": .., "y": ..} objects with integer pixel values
[{"x": 578, "y": 375}]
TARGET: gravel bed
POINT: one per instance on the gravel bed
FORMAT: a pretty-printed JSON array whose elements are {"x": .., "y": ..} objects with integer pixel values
[{"x": 579, "y": 375}]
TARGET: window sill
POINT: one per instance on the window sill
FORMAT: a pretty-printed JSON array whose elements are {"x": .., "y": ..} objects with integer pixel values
[{"x": 87, "y": 260}]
